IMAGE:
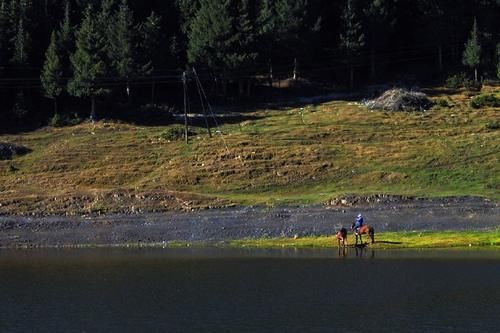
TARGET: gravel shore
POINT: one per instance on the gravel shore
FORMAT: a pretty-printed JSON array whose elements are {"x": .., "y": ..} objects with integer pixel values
[{"x": 214, "y": 225}]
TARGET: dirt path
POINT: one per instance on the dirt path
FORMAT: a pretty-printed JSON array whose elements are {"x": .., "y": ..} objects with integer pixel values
[{"x": 246, "y": 222}]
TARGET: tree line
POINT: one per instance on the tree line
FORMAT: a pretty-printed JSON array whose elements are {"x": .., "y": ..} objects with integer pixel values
[{"x": 80, "y": 52}]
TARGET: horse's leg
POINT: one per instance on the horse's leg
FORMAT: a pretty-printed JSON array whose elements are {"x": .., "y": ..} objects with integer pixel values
[
  {"x": 360, "y": 239},
  {"x": 371, "y": 232}
]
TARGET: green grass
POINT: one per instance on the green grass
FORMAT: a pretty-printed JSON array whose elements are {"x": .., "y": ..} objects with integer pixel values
[
  {"x": 296, "y": 155},
  {"x": 386, "y": 240}
]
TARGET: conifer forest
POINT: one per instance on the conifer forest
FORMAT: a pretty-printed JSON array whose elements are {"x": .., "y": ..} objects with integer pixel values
[{"x": 68, "y": 60}]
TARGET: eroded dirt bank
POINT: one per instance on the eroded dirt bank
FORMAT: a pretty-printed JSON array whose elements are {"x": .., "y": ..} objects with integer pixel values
[{"x": 246, "y": 222}]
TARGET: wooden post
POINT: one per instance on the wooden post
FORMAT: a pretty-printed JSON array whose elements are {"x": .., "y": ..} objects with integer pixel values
[
  {"x": 92, "y": 108},
  {"x": 270, "y": 74},
  {"x": 184, "y": 84},
  {"x": 295, "y": 68}
]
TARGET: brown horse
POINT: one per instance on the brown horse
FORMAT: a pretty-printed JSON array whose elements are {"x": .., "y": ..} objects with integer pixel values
[
  {"x": 364, "y": 229},
  {"x": 342, "y": 237}
]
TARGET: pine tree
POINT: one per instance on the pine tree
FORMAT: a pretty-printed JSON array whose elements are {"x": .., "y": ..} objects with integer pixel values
[
  {"x": 4, "y": 25},
  {"x": 432, "y": 19},
  {"x": 352, "y": 38},
  {"x": 88, "y": 61},
  {"x": 122, "y": 45},
  {"x": 21, "y": 45},
  {"x": 13, "y": 14},
  {"x": 105, "y": 26},
  {"x": 247, "y": 38},
  {"x": 472, "y": 53},
  {"x": 280, "y": 23},
  {"x": 377, "y": 14},
  {"x": 188, "y": 10},
  {"x": 52, "y": 72},
  {"x": 221, "y": 37},
  {"x": 498, "y": 60},
  {"x": 66, "y": 40},
  {"x": 147, "y": 54}
]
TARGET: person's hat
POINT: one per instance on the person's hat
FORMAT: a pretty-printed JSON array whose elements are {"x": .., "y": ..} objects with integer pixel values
[{"x": 359, "y": 215}]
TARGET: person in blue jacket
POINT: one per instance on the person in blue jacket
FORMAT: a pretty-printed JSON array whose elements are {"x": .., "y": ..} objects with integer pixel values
[{"x": 359, "y": 222}]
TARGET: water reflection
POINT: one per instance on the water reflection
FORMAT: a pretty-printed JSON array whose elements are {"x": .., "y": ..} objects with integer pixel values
[
  {"x": 361, "y": 251},
  {"x": 248, "y": 290}
]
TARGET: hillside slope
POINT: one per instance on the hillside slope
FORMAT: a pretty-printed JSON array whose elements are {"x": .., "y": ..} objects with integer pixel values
[{"x": 303, "y": 155}]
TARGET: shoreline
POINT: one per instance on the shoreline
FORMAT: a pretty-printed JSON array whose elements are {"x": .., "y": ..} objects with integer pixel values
[
  {"x": 431, "y": 241},
  {"x": 261, "y": 226}
]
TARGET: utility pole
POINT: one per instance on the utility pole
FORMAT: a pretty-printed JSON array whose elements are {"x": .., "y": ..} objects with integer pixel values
[
  {"x": 184, "y": 84},
  {"x": 198, "y": 86}
]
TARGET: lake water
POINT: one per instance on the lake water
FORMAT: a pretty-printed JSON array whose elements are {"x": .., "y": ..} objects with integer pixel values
[{"x": 222, "y": 290}]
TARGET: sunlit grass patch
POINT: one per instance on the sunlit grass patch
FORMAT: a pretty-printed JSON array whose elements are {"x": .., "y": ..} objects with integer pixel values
[{"x": 387, "y": 240}]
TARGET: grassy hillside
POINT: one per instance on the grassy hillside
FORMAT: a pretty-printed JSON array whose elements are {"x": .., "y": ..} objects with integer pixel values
[{"x": 303, "y": 154}]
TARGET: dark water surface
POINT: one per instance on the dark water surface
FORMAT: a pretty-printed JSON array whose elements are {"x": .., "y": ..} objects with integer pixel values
[{"x": 215, "y": 290}]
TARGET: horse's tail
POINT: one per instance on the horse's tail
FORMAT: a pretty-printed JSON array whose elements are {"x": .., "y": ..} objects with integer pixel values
[{"x": 371, "y": 233}]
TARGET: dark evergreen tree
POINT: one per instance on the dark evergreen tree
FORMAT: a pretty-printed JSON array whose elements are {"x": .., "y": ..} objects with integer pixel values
[
  {"x": 283, "y": 29},
  {"x": 148, "y": 52},
  {"x": 472, "y": 53},
  {"x": 21, "y": 45},
  {"x": 352, "y": 38},
  {"x": 52, "y": 72},
  {"x": 105, "y": 27},
  {"x": 498, "y": 60},
  {"x": 122, "y": 45},
  {"x": 66, "y": 40},
  {"x": 188, "y": 10},
  {"x": 88, "y": 61},
  {"x": 221, "y": 37},
  {"x": 433, "y": 23},
  {"x": 4, "y": 25},
  {"x": 380, "y": 19}
]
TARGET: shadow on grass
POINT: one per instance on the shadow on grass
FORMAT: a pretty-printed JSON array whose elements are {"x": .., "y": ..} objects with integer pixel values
[{"x": 388, "y": 242}]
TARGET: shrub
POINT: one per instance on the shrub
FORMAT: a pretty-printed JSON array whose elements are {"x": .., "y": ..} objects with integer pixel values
[
  {"x": 461, "y": 80},
  {"x": 175, "y": 133},
  {"x": 493, "y": 125},
  {"x": 482, "y": 101},
  {"x": 456, "y": 81},
  {"x": 442, "y": 103},
  {"x": 154, "y": 114},
  {"x": 472, "y": 85},
  {"x": 58, "y": 120}
]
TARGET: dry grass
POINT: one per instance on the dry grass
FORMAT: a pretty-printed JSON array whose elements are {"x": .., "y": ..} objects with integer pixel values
[{"x": 301, "y": 155}]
